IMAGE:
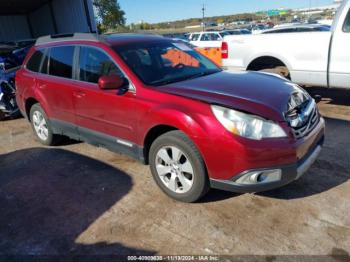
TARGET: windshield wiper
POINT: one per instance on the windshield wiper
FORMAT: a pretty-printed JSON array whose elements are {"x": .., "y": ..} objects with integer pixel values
[
  {"x": 179, "y": 79},
  {"x": 205, "y": 73}
]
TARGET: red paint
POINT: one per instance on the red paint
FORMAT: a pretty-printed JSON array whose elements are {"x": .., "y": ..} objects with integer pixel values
[{"x": 184, "y": 105}]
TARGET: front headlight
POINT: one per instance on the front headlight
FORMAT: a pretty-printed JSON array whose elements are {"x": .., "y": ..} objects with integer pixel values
[{"x": 245, "y": 125}]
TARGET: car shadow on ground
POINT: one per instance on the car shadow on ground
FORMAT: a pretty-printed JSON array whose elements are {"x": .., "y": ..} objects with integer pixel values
[
  {"x": 331, "y": 95},
  {"x": 215, "y": 195},
  {"x": 48, "y": 197},
  {"x": 330, "y": 170}
]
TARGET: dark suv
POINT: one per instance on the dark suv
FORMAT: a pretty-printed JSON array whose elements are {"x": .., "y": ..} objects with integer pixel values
[{"x": 161, "y": 102}]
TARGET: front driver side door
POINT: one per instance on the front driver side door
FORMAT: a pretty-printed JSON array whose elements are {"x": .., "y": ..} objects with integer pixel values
[{"x": 103, "y": 117}]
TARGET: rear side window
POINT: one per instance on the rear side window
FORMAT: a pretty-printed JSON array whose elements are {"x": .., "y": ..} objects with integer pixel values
[
  {"x": 346, "y": 27},
  {"x": 94, "y": 64},
  {"x": 61, "y": 61},
  {"x": 34, "y": 61}
]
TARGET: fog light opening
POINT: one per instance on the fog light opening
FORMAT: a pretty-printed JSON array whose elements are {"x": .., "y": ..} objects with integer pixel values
[{"x": 260, "y": 177}]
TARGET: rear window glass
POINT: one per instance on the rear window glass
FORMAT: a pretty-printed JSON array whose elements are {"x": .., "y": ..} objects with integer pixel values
[
  {"x": 34, "y": 61},
  {"x": 61, "y": 61}
]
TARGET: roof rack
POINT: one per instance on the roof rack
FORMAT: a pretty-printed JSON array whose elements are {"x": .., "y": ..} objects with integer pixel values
[{"x": 69, "y": 37}]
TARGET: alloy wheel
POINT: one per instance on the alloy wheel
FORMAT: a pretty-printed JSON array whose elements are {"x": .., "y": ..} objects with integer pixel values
[
  {"x": 174, "y": 169},
  {"x": 40, "y": 125}
]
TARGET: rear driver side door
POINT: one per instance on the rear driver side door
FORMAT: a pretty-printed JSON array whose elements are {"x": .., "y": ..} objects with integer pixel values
[{"x": 55, "y": 85}]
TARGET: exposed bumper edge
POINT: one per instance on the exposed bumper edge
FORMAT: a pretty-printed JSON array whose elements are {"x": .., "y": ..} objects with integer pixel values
[{"x": 289, "y": 174}]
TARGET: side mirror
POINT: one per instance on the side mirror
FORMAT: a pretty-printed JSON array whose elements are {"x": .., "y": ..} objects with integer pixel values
[{"x": 111, "y": 82}]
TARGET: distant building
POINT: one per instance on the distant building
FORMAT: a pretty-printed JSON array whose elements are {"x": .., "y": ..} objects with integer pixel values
[{"x": 193, "y": 26}]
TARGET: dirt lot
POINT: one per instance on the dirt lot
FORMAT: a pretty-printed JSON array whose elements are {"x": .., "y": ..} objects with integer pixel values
[{"x": 78, "y": 199}]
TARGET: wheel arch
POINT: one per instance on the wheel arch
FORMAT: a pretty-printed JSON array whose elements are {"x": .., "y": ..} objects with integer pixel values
[
  {"x": 152, "y": 135},
  {"x": 259, "y": 62},
  {"x": 29, "y": 102}
]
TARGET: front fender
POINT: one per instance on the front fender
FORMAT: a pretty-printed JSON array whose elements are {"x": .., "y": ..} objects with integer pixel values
[
  {"x": 195, "y": 125},
  {"x": 188, "y": 122}
]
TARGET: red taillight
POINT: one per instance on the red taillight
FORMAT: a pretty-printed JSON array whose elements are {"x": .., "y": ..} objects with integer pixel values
[{"x": 224, "y": 50}]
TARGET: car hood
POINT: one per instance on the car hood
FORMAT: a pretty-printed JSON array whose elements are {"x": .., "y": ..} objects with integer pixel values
[{"x": 263, "y": 94}]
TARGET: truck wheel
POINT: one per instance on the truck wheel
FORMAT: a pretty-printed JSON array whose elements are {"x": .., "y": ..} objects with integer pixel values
[
  {"x": 178, "y": 167},
  {"x": 41, "y": 126},
  {"x": 280, "y": 70}
]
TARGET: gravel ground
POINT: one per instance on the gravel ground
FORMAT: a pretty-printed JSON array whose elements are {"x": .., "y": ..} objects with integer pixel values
[{"x": 78, "y": 199}]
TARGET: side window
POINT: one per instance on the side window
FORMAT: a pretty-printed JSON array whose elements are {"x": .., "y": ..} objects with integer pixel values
[
  {"x": 195, "y": 37},
  {"x": 94, "y": 64},
  {"x": 305, "y": 29},
  {"x": 346, "y": 26},
  {"x": 216, "y": 37},
  {"x": 61, "y": 61},
  {"x": 205, "y": 37},
  {"x": 45, "y": 65},
  {"x": 211, "y": 37},
  {"x": 34, "y": 61},
  {"x": 286, "y": 30}
]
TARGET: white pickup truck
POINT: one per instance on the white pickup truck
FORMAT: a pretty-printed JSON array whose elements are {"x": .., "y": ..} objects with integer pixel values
[{"x": 311, "y": 58}]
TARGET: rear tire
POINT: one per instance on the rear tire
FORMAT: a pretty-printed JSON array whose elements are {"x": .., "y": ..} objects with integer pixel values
[
  {"x": 178, "y": 167},
  {"x": 41, "y": 126}
]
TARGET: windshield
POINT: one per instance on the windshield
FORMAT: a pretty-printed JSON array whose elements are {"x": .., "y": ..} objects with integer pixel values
[{"x": 163, "y": 63}]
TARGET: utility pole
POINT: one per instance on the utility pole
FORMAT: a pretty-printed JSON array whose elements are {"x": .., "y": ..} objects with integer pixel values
[
  {"x": 203, "y": 16},
  {"x": 309, "y": 10}
]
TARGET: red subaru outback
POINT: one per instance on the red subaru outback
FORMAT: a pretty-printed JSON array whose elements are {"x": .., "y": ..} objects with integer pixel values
[{"x": 166, "y": 105}]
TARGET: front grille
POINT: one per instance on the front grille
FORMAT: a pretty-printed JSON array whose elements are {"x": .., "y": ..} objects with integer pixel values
[{"x": 309, "y": 125}]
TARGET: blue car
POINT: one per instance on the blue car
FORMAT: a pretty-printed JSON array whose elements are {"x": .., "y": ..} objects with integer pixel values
[{"x": 11, "y": 58}]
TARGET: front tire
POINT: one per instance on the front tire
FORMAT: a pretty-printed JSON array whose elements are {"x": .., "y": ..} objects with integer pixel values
[
  {"x": 178, "y": 167},
  {"x": 41, "y": 126}
]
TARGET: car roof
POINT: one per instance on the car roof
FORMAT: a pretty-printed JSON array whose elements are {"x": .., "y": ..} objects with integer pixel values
[
  {"x": 300, "y": 26},
  {"x": 110, "y": 39},
  {"x": 295, "y": 26},
  {"x": 206, "y": 32},
  {"x": 128, "y": 38}
]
